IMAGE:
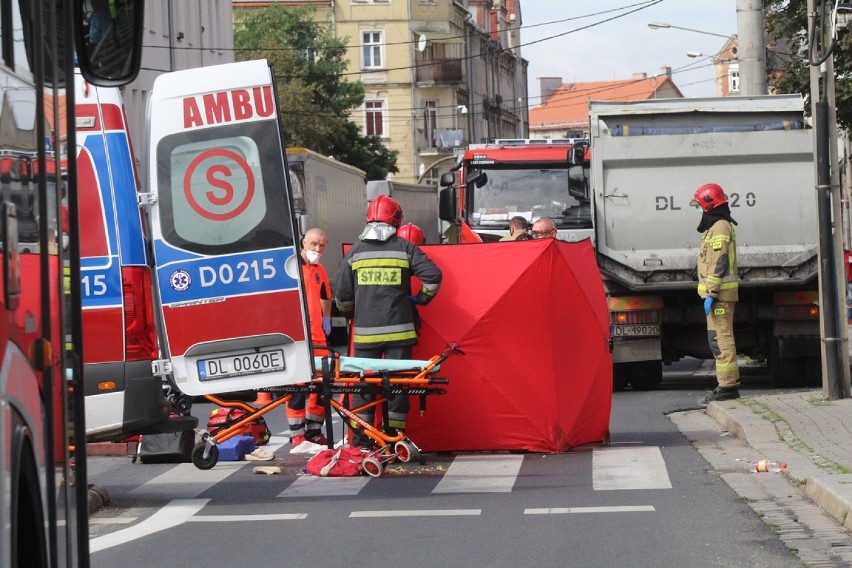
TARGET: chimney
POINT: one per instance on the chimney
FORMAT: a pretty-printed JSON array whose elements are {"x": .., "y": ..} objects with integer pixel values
[
  {"x": 666, "y": 70},
  {"x": 641, "y": 75},
  {"x": 548, "y": 86}
]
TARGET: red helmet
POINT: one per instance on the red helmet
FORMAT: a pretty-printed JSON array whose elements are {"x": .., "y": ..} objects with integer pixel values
[
  {"x": 709, "y": 196},
  {"x": 385, "y": 210},
  {"x": 413, "y": 233}
]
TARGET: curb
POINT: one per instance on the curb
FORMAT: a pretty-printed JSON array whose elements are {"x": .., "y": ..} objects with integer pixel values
[{"x": 832, "y": 493}]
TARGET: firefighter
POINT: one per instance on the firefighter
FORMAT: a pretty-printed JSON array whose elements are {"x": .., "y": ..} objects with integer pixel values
[
  {"x": 374, "y": 284},
  {"x": 718, "y": 286},
  {"x": 518, "y": 230},
  {"x": 413, "y": 233},
  {"x": 306, "y": 421}
]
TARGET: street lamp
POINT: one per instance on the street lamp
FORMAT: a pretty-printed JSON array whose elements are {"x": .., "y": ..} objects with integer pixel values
[{"x": 664, "y": 25}]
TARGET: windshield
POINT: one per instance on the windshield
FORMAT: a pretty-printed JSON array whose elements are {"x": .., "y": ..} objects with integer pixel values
[{"x": 532, "y": 194}]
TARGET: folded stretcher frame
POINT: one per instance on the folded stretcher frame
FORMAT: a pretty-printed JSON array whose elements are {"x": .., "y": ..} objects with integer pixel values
[{"x": 343, "y": 375}]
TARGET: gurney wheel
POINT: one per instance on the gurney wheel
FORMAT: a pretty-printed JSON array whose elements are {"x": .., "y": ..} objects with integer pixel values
[
  {"x": 198, "y": 459},
  {"x": 413, "y": 452},
  {"x": 373, "y": 467},
  {"x": 403, "y": 451}
]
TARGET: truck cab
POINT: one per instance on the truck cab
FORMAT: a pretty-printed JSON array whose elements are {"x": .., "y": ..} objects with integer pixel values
[{"x": 508, "y": 178}]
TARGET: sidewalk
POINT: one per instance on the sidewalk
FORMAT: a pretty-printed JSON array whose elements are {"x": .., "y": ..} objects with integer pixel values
[{"x": 813, "y": 436}]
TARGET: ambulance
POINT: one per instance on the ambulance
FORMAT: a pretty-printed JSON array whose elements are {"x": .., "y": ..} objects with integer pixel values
[
  {"x": 120, "y": 343},
  {"x": 228, "y": 283}
]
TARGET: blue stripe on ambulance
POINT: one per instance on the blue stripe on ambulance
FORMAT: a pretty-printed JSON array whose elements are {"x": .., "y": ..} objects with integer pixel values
[{"x": 197, "y": 278}]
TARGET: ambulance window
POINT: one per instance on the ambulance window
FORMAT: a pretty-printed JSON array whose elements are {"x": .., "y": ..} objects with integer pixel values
[{"x": 221, "y": 194}]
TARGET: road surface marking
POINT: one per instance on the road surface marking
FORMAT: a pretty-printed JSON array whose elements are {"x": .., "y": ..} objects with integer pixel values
[
  {"x": 234, "y": 518},
  {"x": 175, "y": 513},
  {"x": 569, "y": 510},
  {"x": 629, "y": 468},
  {"x": 185, "y": 481},
  {"x": 416, "y": 513},
  {"x": 112, "y": 520},
  {"x": 480, "y": 474},
  {"x": 316, "y": 486}
]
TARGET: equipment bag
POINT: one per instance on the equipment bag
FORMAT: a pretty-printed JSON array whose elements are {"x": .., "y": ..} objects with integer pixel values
[
  {"x": 167, "y": 448},
  {"x": 339, "y": 462},
  {"x": 222, "y": 417}
]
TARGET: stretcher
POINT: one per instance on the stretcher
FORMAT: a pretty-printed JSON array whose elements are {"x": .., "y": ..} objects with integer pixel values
[{"x": 340, "y": 375}]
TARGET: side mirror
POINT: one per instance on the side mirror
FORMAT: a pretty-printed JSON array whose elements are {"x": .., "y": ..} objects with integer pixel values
[
  {"x": 447, "y": 203},
  {"x": 108, "y": 38},
  {"x": 576, "y": 154},
  {"x": 447, "y": 179}
]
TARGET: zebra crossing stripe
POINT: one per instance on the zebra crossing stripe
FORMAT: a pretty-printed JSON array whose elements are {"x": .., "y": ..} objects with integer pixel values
[
  {"x": 621, "y": 468},
  {"x": 480, "y": 474},
  {"x": 315, "y": 486}
]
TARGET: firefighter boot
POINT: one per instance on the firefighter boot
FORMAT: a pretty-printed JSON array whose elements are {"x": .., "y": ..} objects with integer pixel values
[{"x": 722, "y": 393}]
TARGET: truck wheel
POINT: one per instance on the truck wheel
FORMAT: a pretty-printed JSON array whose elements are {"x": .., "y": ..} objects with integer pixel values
[
  {"x": 646, "y": 375},
  {"x": 620, "y": 376},
  {"x": 790, "y": 372},
  {"x": 28, "y": 540}
]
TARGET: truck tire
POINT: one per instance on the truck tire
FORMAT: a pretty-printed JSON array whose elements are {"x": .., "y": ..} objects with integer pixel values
[
  {"x": 646, "y": 375},
  {"x": 28, "y": 539},
  {"x": 620, "y": 377},
  {"x": 790, "y": 372},
  {"x": 642, "y": 375}
]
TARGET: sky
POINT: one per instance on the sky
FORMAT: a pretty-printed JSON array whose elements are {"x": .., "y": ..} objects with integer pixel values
[{"x": 624, "y": 45}]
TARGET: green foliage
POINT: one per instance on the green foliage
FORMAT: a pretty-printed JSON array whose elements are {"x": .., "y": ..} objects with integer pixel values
[
  {"x": 787, "y": 23},
  {"x": 314, "y": 97}
]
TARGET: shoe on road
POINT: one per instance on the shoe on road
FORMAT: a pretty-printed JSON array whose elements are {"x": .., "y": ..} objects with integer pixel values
[{"x": 260, "y": 454}]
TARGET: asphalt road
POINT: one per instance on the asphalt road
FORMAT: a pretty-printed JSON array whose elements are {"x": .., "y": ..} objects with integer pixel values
[{"x": 646, "y": 499}]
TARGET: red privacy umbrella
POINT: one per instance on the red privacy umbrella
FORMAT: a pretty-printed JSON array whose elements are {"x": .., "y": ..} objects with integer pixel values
[{"x": 532, "y": 320}]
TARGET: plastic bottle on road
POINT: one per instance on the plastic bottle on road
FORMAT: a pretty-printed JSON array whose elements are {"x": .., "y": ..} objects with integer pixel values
[{"x": 772, "y": 466}]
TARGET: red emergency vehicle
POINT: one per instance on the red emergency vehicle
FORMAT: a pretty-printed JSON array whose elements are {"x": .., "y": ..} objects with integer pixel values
[{"x": 44, "y": 495}]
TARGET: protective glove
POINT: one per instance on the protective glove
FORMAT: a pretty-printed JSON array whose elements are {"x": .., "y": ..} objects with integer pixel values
[
  {"x": 326, "y": 325},
  {"x": 708, "y": 304},
  {"x": 413, "y": 299}
]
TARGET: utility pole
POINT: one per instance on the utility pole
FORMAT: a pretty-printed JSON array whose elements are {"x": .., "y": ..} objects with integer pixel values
[
  {"x": 835, "y": 346},
  {"x": 751, "y": 47}
]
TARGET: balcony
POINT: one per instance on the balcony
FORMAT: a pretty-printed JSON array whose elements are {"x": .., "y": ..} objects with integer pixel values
[
  {"x": 439, "y": 71},
  {"x": 441, "y": 141}
]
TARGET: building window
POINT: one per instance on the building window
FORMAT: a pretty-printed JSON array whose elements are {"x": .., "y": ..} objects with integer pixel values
[
  {"x": 734, "y": 78},
  {"x": 374, "y": 118},
  {"x": 371, "y": 49},
  {"x": 430, "y": 122}
]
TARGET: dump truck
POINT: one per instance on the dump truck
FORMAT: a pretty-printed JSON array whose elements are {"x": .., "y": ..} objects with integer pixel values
[
  {"x": 647, "y": 159},
  {"x": 419, "y": 204},
  {"x": 330, "y": 195}
]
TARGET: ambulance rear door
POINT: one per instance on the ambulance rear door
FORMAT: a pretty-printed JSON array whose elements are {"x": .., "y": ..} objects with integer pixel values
[{"x": 228, "y": 276}]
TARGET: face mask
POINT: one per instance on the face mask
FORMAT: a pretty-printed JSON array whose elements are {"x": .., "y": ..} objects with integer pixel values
[{"x": 313, "y": 256}]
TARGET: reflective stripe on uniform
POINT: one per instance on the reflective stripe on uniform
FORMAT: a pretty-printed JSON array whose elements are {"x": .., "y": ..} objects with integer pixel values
[{"x": 381, "y": 337}]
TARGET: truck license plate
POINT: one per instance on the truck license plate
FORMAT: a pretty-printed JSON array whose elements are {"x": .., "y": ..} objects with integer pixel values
[
  {"x": 238, "y": 365},
  {"x": 635, "y": 330}
]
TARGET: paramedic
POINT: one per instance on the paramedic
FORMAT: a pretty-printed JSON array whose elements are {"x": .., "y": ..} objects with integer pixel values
[
  {"x": 518, "y": 230},
  {"x": 374, "y": 284},
  {"x": 544, "y": 228},
  {"x": 306, "y": 423},
  {"x": 718, "y": 286}
]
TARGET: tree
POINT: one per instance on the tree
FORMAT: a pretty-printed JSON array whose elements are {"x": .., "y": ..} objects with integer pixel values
[
  {"x": 314, "y": 97},
  {"x": 787, "y": 23}
]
